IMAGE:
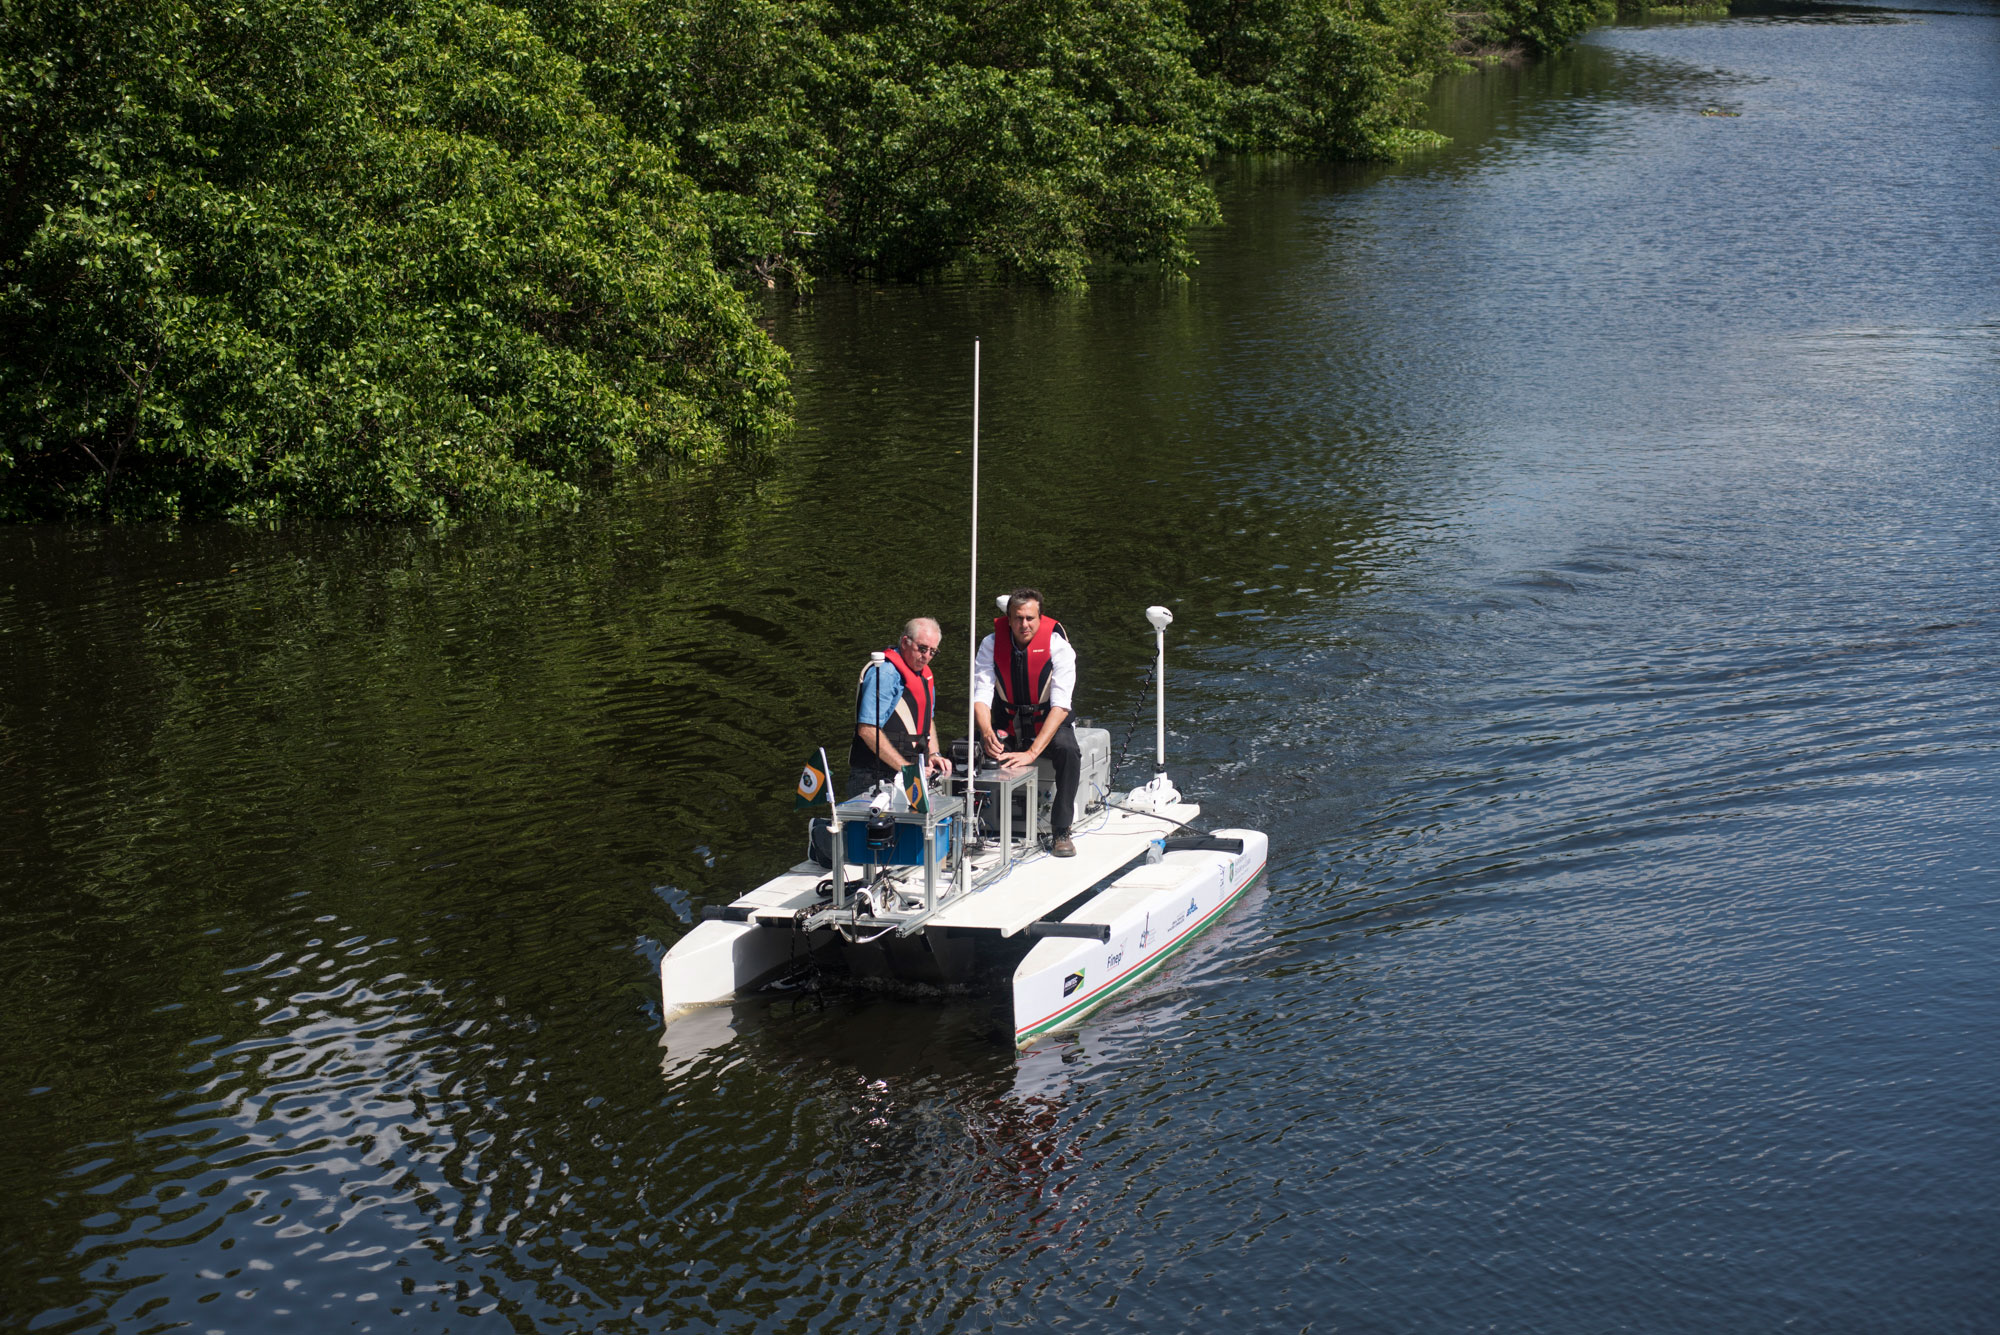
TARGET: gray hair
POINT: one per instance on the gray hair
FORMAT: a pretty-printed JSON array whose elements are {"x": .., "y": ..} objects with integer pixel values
[{"x": 915, "y": 624}]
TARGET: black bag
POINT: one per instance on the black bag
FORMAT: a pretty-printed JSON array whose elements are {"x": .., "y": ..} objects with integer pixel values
[{"x": 819, "y": 842}]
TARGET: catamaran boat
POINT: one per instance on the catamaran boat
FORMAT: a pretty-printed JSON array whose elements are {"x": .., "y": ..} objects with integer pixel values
[
  {"x": 953, "y": 881},
  {"x": 952, "y": 884}
]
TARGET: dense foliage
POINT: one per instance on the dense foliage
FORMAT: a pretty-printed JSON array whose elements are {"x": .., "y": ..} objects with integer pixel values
[
  {"x": 272, "y": 260},
  {"x": 888, "y": 138},
  {"x": 416, "y": 258},
  {"x": 1544, "y": 25}
]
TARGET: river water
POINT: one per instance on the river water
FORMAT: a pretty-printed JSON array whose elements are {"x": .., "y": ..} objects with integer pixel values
[{"x": 1583, "y": 540}]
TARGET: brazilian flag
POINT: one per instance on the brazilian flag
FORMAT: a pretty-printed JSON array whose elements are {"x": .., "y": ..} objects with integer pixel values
[
  {"x": 915, "y": 790},
  {"x": 813, "y": 782}
]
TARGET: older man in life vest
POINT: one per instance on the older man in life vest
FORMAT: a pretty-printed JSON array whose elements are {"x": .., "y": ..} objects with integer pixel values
[
  {"x": 1022, "y": 684},
  {"x": 895, "y": 710}
]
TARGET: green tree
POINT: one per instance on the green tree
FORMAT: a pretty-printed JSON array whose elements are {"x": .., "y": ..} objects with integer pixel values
[
  {"x": 738, "y": 91},
  {"x": 286, "y": 258},
  {"x": 1034, "y": 133},
  {"x": 887, "y": 138},
  {"x": 1545, "y": 25},
  {"x": 1324, "y": 78}
]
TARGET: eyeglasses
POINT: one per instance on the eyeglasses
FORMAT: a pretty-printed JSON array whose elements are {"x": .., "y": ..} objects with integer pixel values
[{"x": 925, "y": 649}]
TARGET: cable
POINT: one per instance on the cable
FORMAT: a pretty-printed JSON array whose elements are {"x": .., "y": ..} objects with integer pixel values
[
  {"x": 1133, "y": 727},
  {"x": 1141, "y": 811},
  {"x": 813, "y": 978},
  {"x": 1097, "y": 817}
]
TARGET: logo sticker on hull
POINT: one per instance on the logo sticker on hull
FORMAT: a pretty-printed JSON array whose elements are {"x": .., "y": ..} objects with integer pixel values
[{"x": 1072, "y": 982}]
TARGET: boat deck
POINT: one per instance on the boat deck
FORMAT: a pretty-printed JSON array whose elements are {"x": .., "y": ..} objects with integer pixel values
[
  {"x": 1035, "y": 886},
  {"x": 1039, "y": 884}
]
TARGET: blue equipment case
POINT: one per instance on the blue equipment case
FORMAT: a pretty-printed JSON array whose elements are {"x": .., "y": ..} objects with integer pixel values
[
  {"x": 909, "y": 849},
  {"x": 908, "y": 852}
]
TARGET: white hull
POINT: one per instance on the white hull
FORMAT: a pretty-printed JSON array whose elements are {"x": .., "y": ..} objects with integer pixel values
[
  {"x": 717, "y": 960},
  {"x": 1147, "y": 915},
  {"x": 721, "y": 958},
  {"x": 1151, "y": 912}
]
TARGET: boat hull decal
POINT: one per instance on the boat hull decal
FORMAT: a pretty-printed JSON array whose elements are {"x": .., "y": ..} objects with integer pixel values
[{"x": 1130, "y": 940}]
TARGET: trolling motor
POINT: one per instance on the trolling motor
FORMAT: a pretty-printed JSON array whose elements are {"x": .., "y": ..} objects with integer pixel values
[{"x": 1160, "y": 793}]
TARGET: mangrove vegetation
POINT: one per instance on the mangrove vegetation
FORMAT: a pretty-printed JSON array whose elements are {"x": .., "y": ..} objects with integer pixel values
[{"x": 415, "y": 259}]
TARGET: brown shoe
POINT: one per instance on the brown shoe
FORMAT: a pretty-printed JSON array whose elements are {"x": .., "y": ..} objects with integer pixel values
[{"x": 1062, "y": 847}]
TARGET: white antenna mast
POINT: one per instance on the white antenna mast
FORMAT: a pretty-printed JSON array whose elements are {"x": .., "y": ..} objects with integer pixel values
[{"x": 972, "y": 618}]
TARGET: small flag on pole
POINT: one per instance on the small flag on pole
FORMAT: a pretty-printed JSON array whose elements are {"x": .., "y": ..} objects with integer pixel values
[
  {"x": 813, "y": 782},
  {"x": 915, "y": 791}
]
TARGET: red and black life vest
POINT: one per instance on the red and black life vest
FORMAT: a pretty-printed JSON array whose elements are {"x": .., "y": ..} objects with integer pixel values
[
  {"x": 908, "y": 726},
  {"x": 1024, "y": 676}
]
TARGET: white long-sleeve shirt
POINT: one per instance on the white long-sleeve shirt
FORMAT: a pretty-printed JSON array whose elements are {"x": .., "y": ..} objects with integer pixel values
[{"x": 1062, "y": 671}]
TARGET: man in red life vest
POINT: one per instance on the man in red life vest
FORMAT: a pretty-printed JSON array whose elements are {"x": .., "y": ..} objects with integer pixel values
[
  {"x": 895, "y": 710},
  {"x": 1026, "y": 675}
]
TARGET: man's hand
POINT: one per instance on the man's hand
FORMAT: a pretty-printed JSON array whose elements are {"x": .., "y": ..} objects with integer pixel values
[
  {"x": 1018, "y": 760},
  {"x": 942, "y": 764},
  {"x": 993, "y": 747}
]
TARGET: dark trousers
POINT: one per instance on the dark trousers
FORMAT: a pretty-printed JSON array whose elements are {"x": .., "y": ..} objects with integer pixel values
[
  {"x": 1067, "y": 758},
  {"x": 862, "y": 776}
]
